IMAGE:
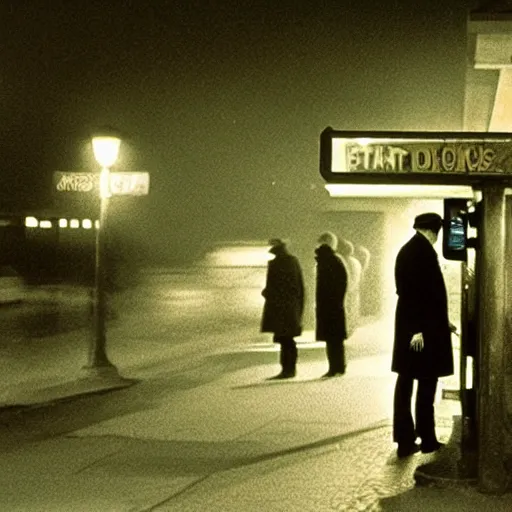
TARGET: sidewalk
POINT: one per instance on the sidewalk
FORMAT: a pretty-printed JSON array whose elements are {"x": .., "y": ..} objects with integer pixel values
[
  {"x": 49, "y": 368},
  {"x": 223, "y": 438},
  {"x": 28, "y": 379}
]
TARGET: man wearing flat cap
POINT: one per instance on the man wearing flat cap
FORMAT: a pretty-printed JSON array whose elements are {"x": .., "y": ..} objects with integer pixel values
[
  {"x": 422, "y": 347},
  {"x": 284, "y": 305}
]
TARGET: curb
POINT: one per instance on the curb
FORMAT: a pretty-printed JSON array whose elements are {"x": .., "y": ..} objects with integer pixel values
[{"x": 66, "y": 391}]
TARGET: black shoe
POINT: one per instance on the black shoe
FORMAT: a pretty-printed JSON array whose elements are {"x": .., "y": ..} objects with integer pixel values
[
  {"x": 330, "y": 374},
  {"x": 283, "y": 375},
  {"x": 431, "y": 447},
  {"x": 405, "y": 450}
]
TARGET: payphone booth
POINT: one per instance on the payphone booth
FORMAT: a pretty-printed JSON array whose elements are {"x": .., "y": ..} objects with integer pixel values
[{"x": 482, "y": 161}]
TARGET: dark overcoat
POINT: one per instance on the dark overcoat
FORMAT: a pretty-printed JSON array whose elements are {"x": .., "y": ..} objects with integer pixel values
[
  {"x": 331, "y": 287},
  {"x": 422, "y": 306},
  {"x": 284, "y": 295}
]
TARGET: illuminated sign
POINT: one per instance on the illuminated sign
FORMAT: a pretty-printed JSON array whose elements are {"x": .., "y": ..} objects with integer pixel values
[
  {"x": 76, "y": 181},
  {"x": 129, "y": 183},
  {"x": 396, "y": 157},
  {"x": 121, "y": 183}
]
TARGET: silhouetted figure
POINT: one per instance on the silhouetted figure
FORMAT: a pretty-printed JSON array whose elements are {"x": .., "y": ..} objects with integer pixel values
[
  {"x": 353, "y": 295},
  {"x": 422, "y": 347},
  {"x": 331, "y": 286},
  {"x": 284, "y": 305},
  {"x": 364, "y": 257}
]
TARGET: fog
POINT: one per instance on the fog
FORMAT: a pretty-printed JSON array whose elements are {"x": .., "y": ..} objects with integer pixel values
[{"x": 223, "y": 106}]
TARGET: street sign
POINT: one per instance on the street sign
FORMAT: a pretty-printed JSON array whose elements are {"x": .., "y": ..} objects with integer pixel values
[
  {"x": 121, "y": 183},
  {"x": 129, "y": 183},
  {"x": 414, "y": 157},
  {"x": 76, "y": 181}
]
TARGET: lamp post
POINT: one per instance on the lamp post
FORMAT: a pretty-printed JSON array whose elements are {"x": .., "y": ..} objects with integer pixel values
[{"x": 106, "y": 149}]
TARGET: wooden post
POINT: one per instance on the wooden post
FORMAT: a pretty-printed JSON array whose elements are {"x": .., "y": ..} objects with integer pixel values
[{"x": 492, "y": 475}]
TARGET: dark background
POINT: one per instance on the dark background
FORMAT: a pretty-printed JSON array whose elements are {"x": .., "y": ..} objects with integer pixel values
[{"x": 222, "y": 102}]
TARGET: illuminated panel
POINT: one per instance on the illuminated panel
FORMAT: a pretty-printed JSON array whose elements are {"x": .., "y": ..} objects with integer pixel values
[
  {"x": 74, "y": 223},
  {"x": 410, "y": 191},
  {"x": 469, "y": 372},
  {"x": 31, "y": 222},
  {"x": 45, "y": 224},
  {"x": 414, "y": 157},
  {"x": 63, "y": 223},
  {"x": 129, "y": 183},
  {"x": 97, "y": 224},
  {"x": 87, "y": 224},
  {"x": 240, "y": 256}
]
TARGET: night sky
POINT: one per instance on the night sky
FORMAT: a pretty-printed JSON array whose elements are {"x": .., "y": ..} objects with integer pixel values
[{"x": 222, "y": 102}]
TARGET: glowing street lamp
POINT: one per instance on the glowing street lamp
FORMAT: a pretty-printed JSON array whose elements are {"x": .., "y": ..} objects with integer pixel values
[{"x": 106, "y": 150}]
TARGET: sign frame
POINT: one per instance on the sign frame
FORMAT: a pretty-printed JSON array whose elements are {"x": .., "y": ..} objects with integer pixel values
[{"x": 455, "y": 140}]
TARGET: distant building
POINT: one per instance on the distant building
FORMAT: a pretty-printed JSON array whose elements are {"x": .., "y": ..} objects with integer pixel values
[{"x": 45, "y": 247}]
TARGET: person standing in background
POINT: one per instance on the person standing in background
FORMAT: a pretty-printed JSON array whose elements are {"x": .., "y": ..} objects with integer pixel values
[
  {"x": 284, "y": 305},
  {"x": 364, "y": 257},
  {"x": 353, "y": 297},
  {"x": 331, "y": 287}
]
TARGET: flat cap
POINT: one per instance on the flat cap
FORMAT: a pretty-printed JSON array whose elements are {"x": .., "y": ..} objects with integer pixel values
[
  {"x": 275, "y": 242},
  {"x": 428, "y": 221}
]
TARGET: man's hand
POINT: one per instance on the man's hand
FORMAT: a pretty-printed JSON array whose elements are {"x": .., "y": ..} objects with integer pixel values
[
  {"x": 417, "y": 342},
  {"x": 453, "y": 329}
]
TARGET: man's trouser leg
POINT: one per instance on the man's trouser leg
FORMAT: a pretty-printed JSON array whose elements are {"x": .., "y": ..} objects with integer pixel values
[
  {"x": 425, "y": 422},
  {"x": 335, "y": 350},
  {"x": 288, "y": 354},
  {"x": 294, "y": 353},
  {"x": 341, "y": 358},
  {"x": 331, "y": 352},
  {"x": 289, "y": 349},
  {"x": 403, "y": 424}
]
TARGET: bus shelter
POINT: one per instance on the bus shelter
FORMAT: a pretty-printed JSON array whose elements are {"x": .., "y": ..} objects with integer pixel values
[{"x": 482, "y": 161}]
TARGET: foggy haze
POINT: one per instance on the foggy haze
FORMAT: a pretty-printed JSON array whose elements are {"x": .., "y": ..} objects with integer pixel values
[{"x": 222, "y": 104}]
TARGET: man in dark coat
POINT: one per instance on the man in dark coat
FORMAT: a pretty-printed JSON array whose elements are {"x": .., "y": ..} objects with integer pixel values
[
  {"x": 284, "y": 305},
  {"x": 422, "y": 347},
  {"x": 331, "y": 287}
]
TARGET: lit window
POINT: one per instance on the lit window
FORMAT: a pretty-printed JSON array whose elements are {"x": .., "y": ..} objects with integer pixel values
[
  {"x": 87, "y": 224},
  {"x": 74, "y": 223},
  {"x": 45, "y": 224},
  {"x": 31, "y": 222},
  {"x": 63, "y": 223},
  {"x": 97, "y": 224}
]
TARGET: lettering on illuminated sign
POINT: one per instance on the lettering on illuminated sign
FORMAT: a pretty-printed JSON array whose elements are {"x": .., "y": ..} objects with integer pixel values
[
  {"x": 461, "y": 158},
  {"x": 76, "y": 182},
  {"x": 129, "y": 183},
  {"x": 121, "y": 183}
]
